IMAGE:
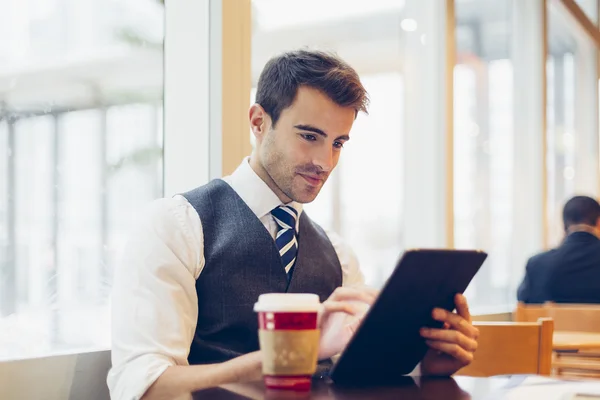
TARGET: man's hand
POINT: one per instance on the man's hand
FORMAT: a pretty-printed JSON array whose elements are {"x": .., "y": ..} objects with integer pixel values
[
  {"x": 452, "y": 348},
  {"x": 340, "y": 316}
]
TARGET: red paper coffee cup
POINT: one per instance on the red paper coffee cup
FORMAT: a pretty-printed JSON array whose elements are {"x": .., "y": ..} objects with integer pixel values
[{"x": 289, "y": 339}]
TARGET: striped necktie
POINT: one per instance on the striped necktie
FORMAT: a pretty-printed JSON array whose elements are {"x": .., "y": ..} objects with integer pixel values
[{"x": 286, "y": 242}]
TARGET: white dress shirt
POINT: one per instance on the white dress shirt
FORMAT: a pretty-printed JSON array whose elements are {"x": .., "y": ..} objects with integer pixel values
[{"x": 154, "y": 300}]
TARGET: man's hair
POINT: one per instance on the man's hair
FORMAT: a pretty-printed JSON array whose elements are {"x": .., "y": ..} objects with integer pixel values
[
  {"x": 284, "y": 74},
  {"x": 581, "y": 210}
]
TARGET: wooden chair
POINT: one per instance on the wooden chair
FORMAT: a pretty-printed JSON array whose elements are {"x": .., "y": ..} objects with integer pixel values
[
  {"x": 512, "y": 348},
  {"x": 574, "y": 320},
  {"x": 567, "y": 317},
  {"x": 529, "y": 312},
  {"x": 575, "y": 317}
]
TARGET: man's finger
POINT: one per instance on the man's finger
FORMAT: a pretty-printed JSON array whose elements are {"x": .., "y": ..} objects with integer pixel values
[
  {"x": 352, "y": 327},
  {"x": 456, "y": 322},
  {"x": 453, "y": 350},
  {"x": 330, "y": 307},
  {"x": 462, "y": 307},
  {"x": 450, "y": 336},
  {"x": 365, "y": 295}
]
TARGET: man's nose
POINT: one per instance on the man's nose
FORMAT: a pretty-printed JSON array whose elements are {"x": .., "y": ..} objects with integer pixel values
[{"x": 324, "y": 159}]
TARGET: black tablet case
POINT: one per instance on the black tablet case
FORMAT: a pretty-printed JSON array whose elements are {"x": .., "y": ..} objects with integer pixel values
[{"x": 387, "y": 343}]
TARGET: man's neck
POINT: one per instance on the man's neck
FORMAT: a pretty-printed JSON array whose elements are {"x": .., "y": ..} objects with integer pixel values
[
  {"x": 583, "y": 228},
  {"x": 266, "y": 178}
]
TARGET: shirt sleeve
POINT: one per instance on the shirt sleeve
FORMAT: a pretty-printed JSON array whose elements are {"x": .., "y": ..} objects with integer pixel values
[
  {"x": 154, "y": 300},
  {"x": 352, "y": 275}
]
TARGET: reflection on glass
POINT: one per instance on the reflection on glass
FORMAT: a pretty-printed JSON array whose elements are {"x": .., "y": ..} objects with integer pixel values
[{"x": 80, "y": 150}]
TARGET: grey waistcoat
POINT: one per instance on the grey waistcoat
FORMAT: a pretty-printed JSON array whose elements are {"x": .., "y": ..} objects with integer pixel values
[{"x": 242, "y": 262}]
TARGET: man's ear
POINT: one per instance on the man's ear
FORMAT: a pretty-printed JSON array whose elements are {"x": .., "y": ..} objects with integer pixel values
[{"x": 259, "y": 121}]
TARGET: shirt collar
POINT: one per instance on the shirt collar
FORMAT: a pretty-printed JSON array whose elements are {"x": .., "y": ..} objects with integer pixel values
[
  {"x": 254, "y": 191},
  {"x": 583, "y": 228}
]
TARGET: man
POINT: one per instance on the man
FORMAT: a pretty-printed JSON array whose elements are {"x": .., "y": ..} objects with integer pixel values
[
  {"x": 571, "y": 272},
  {"x": 192, "y": 271}
]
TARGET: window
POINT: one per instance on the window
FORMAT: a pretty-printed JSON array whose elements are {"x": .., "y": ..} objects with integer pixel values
[
  {"x": 81, "y": 144},
  {"x": 590, "y": 8},
  {"x": 572, "y": 127},
  {"x": 498, "y": 142},
  {"x": 483, "y": 142}
]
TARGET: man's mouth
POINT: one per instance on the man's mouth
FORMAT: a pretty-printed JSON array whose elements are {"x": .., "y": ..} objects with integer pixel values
[{"x": 311, "y": 179}]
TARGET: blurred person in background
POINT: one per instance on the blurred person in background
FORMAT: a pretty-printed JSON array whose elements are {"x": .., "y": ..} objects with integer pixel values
[{"x": 569, "y": 273}]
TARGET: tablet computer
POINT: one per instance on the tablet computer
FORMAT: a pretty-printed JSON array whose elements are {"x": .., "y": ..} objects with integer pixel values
[{"x": 387, "y": 344}]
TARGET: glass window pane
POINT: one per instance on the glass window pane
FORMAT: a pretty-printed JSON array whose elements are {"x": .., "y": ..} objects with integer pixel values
[
  {"x": 590, "y": 8},
  {"x": 483, "y": 143},
  {"x": 81, "y": 121},
  {"x": 134, "y": 172},
  {"x": 4, "y": 163},
  {"x": 572, "y": 146}
]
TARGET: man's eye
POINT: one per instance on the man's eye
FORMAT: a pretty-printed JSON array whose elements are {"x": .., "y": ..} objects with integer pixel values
[
  {"x": 338, "y": 145},
  {"x": 311, "y": 138}
]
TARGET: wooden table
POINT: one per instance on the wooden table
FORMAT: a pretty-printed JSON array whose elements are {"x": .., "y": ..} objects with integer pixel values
[
  {"x": 573, "y": 341},
  {"x": 458, "y": 388},
  {"x": 576, "y": 354}
]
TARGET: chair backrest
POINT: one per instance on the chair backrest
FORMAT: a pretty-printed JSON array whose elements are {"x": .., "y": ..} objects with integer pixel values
[
  {"x": 575, "y": 317},
  {"x": 512, "y": 348},
  {"x": 529, "y": 312},
  {"x": 567, "y": 317}
]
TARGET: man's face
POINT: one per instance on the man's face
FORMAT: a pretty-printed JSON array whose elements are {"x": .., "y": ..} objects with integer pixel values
[{"x": 296, "y": 156}]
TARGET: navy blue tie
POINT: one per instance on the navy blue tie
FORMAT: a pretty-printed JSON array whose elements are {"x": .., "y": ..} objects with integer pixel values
[{"x": 286, "y": 242}]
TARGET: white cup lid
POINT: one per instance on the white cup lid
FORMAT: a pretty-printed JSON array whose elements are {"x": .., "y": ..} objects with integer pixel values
[{"x": 290, "y": 302}]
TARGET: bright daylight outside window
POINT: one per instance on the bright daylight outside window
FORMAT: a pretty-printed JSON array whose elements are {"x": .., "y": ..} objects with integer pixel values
[
  {"x": 571, "y": 135},
  {"x": 483, "y": 144},
  {"x": 80, "y": 150}
]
